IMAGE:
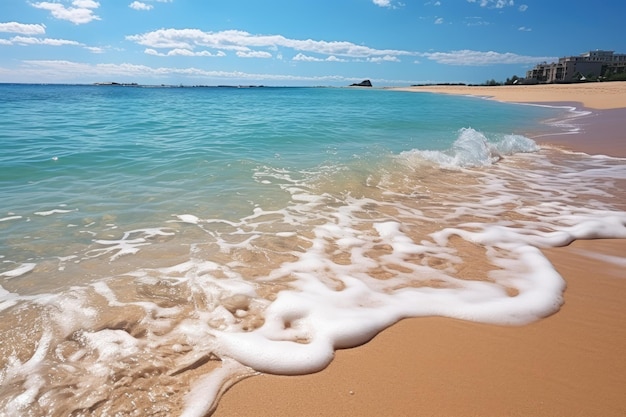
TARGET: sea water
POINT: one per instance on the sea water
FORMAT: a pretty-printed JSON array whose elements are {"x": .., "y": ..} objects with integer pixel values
[{"x": 159, "y": 244}]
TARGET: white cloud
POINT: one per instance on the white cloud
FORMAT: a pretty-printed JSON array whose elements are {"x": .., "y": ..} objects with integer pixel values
[
  {"x": 95, "y": 49},
  {"x": 386, "y": 58},
  {"x": 183, "y": 52},
  {"x": 388, "y": 3},
  {"x": 382, "y": 3},
  {"x": 439, "y": 21},
  {"x": 307, "y": 58},
  {"x": 29, "y": 40},
  {"x": 477, "y": 58},
  {"x": 23, "y": 28},
  {"x": 524, "y": 29},
  {"x": 243, "y": 41},
  {"x": 81, "y": 11},
  {"x": 86, "y": 4},
  {"x": 253, "y": 54},
  {"x": 137, "y": 5},
  {"x": 523, "y": 8}
]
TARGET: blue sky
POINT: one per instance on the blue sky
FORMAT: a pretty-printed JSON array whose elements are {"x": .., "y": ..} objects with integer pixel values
[{"x": 296, "y": 42}]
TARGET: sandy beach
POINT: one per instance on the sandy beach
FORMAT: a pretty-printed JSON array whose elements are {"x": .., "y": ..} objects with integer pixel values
[
  {"x": 572, "y": 363},
  {"x": 599, "y": 96}
]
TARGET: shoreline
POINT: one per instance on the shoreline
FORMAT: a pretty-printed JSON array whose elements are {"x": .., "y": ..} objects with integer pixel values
[
  {"x": 605, "y": 103},
  {"x": 568, "y": 364}
]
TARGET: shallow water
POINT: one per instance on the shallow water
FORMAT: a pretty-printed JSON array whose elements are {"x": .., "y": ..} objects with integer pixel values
[{"x": 158, "y": 244}]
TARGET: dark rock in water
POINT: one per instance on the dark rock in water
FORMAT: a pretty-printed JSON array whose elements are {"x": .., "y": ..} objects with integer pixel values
[{"x": 364, "y": 83}]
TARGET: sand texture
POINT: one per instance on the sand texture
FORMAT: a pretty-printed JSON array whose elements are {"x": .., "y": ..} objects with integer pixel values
[{"x": 572, "y": 363}]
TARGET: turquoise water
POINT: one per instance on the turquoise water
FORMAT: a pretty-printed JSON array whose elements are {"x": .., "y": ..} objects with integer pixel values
[
  {"x": 158, "y": 244},
  {"x": 143, "y": 154}
]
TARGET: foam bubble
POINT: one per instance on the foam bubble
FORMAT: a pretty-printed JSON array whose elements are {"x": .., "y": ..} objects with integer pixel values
[
  {"x": 51, "y": 212},
  {"x": 127, "y": 245},
  {"x": 188, "y": 218},
  {"x": 5, "y": 219},
  {"x": 19, "y": 271}
]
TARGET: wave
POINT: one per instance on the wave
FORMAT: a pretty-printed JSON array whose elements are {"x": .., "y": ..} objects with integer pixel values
[{"x": 473, "y": 149}]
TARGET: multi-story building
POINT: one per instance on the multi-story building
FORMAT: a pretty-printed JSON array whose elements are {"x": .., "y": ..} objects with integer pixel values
[{"x": 573, "y": 68}]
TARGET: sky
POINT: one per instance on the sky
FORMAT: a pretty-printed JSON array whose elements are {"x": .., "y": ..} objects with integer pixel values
[{"x": 297, "y": 42}]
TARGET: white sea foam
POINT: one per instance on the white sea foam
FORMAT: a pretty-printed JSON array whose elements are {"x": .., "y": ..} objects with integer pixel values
[
  {"x": 127, "y": 245},
  {"x": 5, "y": 219},
  {"x": 188, "y": 218},
  {"x": 51, "y": 212},
  {"x": 19, "y": 271},
  {"x": 279, "y": 290}
]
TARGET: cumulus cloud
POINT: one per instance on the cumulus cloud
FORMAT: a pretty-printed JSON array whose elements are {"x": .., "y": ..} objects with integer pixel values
[
  {"x": 80, "y": 12},
  {"x": 477, "y": 58},
  {"x": 137, "y": 5},
  {"x": 23, "y": 28},
  {"x": 523, "y": 8},
  {"x": 439, "y": 20},
  {"x": 236, "y": 40},
  {"x": 388, "y": 3},
  {"x": 524, "y": 29},
  {"x": 253, "y": 54},
  {"x": 307, "y": 58}
]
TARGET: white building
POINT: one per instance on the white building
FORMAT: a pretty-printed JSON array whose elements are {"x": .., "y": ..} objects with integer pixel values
[{"x": 573, "y": 68}]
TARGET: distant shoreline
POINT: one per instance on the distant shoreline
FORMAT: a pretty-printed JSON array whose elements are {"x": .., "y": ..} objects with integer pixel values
[{"x": 598, "y": 95}]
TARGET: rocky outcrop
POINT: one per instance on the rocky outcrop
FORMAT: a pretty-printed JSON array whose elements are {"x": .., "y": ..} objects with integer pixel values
[{"x": 364, "y": 83}]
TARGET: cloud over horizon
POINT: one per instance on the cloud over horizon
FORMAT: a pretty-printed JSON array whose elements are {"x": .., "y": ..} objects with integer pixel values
[
  {"x": 467, "y": 57},
  {"x": 244, "y": 43}
]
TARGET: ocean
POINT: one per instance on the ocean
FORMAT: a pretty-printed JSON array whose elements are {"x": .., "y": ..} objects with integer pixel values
[{"x": 158, "y": 244}]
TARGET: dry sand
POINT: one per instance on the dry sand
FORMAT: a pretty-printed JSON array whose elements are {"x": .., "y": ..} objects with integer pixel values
[
  {"x": 570, "y": 364},
  {"x": 599, "y": 96}
]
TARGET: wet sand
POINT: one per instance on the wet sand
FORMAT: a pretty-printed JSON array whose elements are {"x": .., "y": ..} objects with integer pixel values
[{"x": 572, "y": 363}]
